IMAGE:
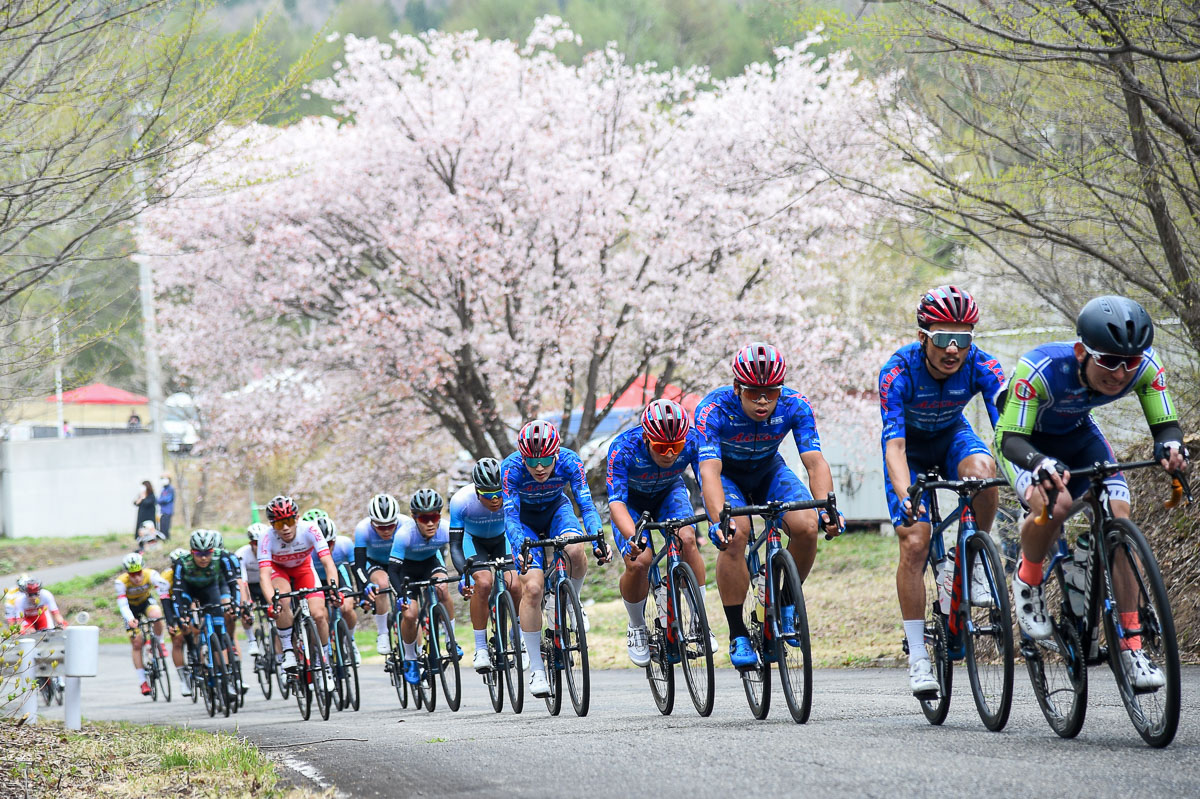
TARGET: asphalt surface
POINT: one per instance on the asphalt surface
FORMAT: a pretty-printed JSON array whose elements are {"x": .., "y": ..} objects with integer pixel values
[{"x": 867, "y": 737}]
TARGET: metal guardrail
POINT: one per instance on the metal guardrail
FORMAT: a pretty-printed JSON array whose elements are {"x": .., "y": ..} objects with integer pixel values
[{"x": 49, "y": 653}]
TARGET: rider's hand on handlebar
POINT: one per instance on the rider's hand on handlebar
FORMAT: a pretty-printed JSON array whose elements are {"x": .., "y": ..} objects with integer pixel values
[
  {"x": 716, "y": 534},
  {"x": 1172, "y": 455},
  {"x": 465, "y": 588},
  {"x": 833, "y": 527},
  {"x": 909, "y": 513},
  {"x": 635, "y": 549},
  {"x": 602, "y": 552}
]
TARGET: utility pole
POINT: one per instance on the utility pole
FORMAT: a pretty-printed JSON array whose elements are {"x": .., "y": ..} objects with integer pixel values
[{"x": 150, "y": 342}]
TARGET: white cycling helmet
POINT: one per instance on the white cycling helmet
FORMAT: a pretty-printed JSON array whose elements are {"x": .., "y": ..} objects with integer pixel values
[
  {"x": 257, "y": 531},
  {"x": 328, "y": 529},
  {"x": 205, "y": 539},
  {"x": 383, "y": 510}
]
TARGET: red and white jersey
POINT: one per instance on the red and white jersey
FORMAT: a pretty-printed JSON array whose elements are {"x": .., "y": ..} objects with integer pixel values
[
  {"x": 272, "y": 551},
  {"x": 30, "y": 607}
]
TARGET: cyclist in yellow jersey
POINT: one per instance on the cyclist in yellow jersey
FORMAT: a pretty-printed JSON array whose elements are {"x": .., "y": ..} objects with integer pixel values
[{"x": 138, "y": 596}]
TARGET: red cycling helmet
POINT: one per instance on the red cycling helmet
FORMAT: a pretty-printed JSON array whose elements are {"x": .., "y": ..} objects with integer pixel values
[
  {"x": 33, "y": 586},
  {"x": 538, "y": 439},
  {"x": 282, "y": 508},
  {"x": 947, "y": 304},
  {"x": 759, "y": 365},
  {"x": 665, "y": 422}
]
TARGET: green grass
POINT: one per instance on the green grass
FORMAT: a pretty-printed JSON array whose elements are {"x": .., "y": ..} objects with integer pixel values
[{"x": 24, "y": 554}]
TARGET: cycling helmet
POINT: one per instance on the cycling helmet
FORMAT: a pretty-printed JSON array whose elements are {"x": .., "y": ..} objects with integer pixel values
[
  {"x": 313, "y": 514},
  {"x": 220, "y": 539},
  {"x": 177, "y": 554},
  {"x": 665, "y": 422},
  {"x": 33, "y": 586},
  {"x": 426, "y": 501},
  {"x": 148, "y": 525},
  {"x": 486, "y": 474},
  {"x": 282, "y": 508},
  {"x": 383, "y": 509},
  {"x": 538, "y": 439},
  {"x": 947, "y": 304},
  {"x": 205, "y": 539},
  {"x": 133, "y": 562},
  {"x": 24, "y": 578},
  {"x": 1115, "y": 325},
  {"x": 328, "y": 529},
  {"x": 257, "y": 531},
  {"x": 759, "y": 365}
]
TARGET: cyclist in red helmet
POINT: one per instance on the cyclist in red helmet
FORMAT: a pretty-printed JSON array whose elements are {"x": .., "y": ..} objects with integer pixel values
[
  {"x": 645, "y": 473},
  {"x": 34, "y": 607},
  {"x": 740, "y": 429},
  {"x": 923, "y": 389}
]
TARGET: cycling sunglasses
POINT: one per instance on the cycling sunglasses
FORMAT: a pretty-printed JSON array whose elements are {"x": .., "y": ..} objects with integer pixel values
[
  {"x": 667, "y": 450},
  {"x": 944, "y": 338},
  {"x": 428, "y": 518},
  {"x": 1112, "y": 362},
  {"x": 202, "y": 553},
  {"x": 280, "y": 524},
  {"x": 384, "y": 528},
  {"x": 758, "y": 394},
  {"x": 534, "y": 463},
  {"x": 489, "y": 494}
]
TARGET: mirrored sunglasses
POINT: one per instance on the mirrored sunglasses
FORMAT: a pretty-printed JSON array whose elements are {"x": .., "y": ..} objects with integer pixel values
[
  {"x": 280, "y": 524},
  {"x": 428, "y": 518},
  {"x": 1112, "y": 362},
  {"x": 673, "y": 448},
  {"x": 202, "y": 553},
  {"x": 489, "y": 494},
  {"x": 944, "y": 338},
  {"x": 534, "y": 463}
]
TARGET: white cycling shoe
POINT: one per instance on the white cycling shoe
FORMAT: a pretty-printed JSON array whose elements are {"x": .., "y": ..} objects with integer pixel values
[
  {"x": 253, "y": 649},
  {"x": 357, "y": 654},
  {"x": 1030, "y": 607},
  {"x": 637, "y": 646},
  {"x": 981, "y": 592},
  {"x": 539, "y": 686},
  {"x": 920, "y": 678},
  {"x": 382, "y": 645},
  {"x": 1144, "y": 675},
  {"x": 288, "y": 661},
  {"x": 483, "y": 661}
]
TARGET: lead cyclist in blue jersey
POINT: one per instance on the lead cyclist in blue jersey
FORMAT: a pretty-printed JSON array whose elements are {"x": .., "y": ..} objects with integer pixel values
[
  {"x": 372, "y": 550},
  {"x": 740, "y": 428},
  {"x": 477, "y": 531},
  {"x": 923, "y": 389},
  {"x": 534, "y": 480}
]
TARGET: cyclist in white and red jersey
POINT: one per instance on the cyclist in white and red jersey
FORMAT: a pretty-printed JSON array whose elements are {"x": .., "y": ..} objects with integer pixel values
[
  {"x": 34, "y": 608},
  {"x": 284, "y": 564}
]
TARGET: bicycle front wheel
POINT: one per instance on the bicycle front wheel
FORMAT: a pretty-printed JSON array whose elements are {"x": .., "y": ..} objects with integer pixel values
[
  {"x": 508, "y": 636},
  {"x": 756, "y": 681},
  {"x": 264, "y": 662},
  {"x": 660, "y": 671},
  {"x": 693, "y": 634},
  {"x": 395, "y": 660},
  {"x": 574, "y": 648},
  {"x": 317, "y": 668},
  {"x": 1057, "y": 666},
  {"x": 447, "y": 651},
  {"x": 494, "y": 677},
  {"x": 1134, "y": 585},
  {"x": 163, "y": 673},
  {"x": 349, "y": 668},
  {"x": 151, "y": 670},
  {"x": 792, "y": 646},
  {"x": 988, "y": 634},
  {"x": 301, "y": 680}
]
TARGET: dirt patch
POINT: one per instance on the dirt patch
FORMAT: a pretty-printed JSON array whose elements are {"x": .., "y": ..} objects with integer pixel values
[{"x": 23, "y": 554}]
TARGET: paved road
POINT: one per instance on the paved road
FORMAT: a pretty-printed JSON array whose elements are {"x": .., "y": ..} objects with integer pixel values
[
  {"x": 866, "y": 738},
  {"x": 57, "y": 574}
]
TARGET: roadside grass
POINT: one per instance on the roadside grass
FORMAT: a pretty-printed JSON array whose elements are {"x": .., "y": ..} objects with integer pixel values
[
  {"x": 23, "y": 554},
  {"x": 94, "y": 594},
  {"x": 124, "y": 761}
]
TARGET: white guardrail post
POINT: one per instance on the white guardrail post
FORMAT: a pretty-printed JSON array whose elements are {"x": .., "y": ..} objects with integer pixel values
[
  {"x": 82, "y": 660},
  {"x": 25, "y": 679}
]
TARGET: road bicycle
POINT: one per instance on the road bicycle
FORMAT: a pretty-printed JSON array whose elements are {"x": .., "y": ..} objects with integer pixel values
[
  {"x": 971, "y": 620},
  {"x": 345, "y": 669},
  {"x": 503, "y": 637},
  {"x": 1122, "y": 592},
  {"x": 206, "y": 658},
  {"x": 677, "y": 620},
  {"x": 267, "y": 669},
  {"x": 154, "y": 660},
  {"x": 564, "y": 642},
  {"x": 439, "y": 656},
  {"x": 781, "y": 635},
  {"x": 311, "y": 678}
]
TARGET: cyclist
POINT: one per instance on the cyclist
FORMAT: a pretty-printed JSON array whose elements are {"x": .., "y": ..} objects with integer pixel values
[
  {"x": 10, "y": 595},
  {"x": 923, "y": 389},
  {"x": 341, "y": 549},
  {"x": 247, "y": 554},
  {"x": 284, "y": 565},
  {"x": 740, "y": 429},
  {"x": 534, "y": 481},
  {"x": 417, "y": 555},
  {"x": 174, "y": 626},
  {"x": 1046, "y": 429},
  {"x": 138, "y": 591},
  {"x": 232, "y": 564},
  {"x": 477, "y": 530},
  {"x": 203, "y": 577},
  {"x": 35, "y": 608},
  {"x": 372, "y": 549},
  {"x": 312, "y": 514},
  {"x": 645, "y": 473}
]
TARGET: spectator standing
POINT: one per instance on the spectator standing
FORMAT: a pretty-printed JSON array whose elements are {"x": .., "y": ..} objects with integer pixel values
[
  {"x": 146, "y": 505},
  {"x": 166, "y": 507}
]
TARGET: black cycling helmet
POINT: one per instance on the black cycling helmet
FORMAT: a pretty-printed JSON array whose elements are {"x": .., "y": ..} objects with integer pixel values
[
  {"x": 486, "y": 474},
  {"x": 1115, "y": 325},
  {"x": 426, "y": 501}
]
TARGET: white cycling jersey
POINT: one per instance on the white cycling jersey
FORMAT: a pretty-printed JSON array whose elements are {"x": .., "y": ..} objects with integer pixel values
[
  {"x": 249, "y": 559},
  {"x": 273, "y": 551}
]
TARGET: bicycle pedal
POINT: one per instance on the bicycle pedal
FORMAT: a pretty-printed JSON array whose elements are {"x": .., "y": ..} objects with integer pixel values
[{"x": 926, "y": 696}]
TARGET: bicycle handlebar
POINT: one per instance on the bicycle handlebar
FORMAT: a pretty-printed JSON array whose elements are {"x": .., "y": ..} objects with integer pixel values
[
  {"x": 1098, "y": 471},
  {"x": 667, "y": 525},
  {"x": 559, "y": 542},
  {"x": 773, "y": 510},
  {"x": 504, "y": 564}
]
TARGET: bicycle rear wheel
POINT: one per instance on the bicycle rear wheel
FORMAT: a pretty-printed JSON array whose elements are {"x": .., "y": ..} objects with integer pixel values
[
  {"x": 937, "y": 643},
  {"x": 574, "y": 648},
  {"x": 337, "y": 662},
  {"x": 792, "y": 649},
  {"x": 163, "y": 671},
  {"x": 281, "y": 677},
  {"x": 756, "y": 681},
  {"x": 395, "y": 660},
  {"x": 660, "y": 671},
  {"x": 350, "y": 667},
  {"x": 509, "y": 635},
  {"x": 692, "y": 632},
  {"x": 301, "y": 680},
  {"x": 264, "y": 662},
  {"x": 447, "y": 654},
  {"x": 1133, "y": 582},
  {"x": 989, "y": 636},
  {"x": 151, "y": 668}
]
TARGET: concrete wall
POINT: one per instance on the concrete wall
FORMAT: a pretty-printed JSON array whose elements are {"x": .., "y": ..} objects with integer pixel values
[{"x": 75, "y": 486}]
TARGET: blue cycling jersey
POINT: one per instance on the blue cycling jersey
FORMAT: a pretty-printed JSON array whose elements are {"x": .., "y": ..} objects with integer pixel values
[
  {"x": 521, "y": 491},
  {"x": 379, "y": 549},
  {"x": 469, "y": 514},
  {"x": 409, "y": 544},
  {"x": 342, "y": 551},
  {"x": 746, "y": 445},
  {"x": 631, "y": 470},
  {"x": 915, "y": 404}
]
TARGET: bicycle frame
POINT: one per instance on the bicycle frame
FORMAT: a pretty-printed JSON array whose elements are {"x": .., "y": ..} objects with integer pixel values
[
  {"x": 671, "y": 552},
  {"x": 556, "y": 572}
]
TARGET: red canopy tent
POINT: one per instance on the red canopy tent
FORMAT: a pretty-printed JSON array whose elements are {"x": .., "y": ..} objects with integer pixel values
[
  {"x": 644, "y": 389},
  {"x": 99, "y": 394}
]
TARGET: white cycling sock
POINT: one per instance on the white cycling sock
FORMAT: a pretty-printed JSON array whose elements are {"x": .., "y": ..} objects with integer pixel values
[
  {"x": 285, "y": 638},
  {"x": 141, "y": 674},
  {"x": 703, "y": 593},
  {"x": 250, "y": 635},
  {"x": 637, "y": 613},
  {"x": 410, "y": 650},
  {"x": 914, "y": 631},
  {"x": 533, "y": 645},
  {"x": 381, "y": 623},
  {"x": 480, "y": 640},
  {"x": 577, "y": 582}
]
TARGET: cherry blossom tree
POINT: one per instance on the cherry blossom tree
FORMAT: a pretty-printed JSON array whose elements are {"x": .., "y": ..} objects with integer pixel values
[{"x": 486, "y": 234}]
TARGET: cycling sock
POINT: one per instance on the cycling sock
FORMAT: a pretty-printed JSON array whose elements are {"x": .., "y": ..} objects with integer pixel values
[
  {"x": 914, "y": 631},
  {"x": 141, "y": 674},
  {"x": 480, "y": 640},
  {"x": 453, "y": 627},
  {"x": 1129, "y": 621},
  {"x": 285, "y": 638},
  {"x": 381, "y": 623},
  {"x": 410, "y": 650},
  {"x": 637, "y": 613},
  {"x": 250, "y": 635},
  {"x": 1030, "y": 572},
  {"x": 533, "y": 643},
  {"x": 703, "y": 593},
  {"x": 737, "y": 627},
  {"x": 183, "y": 675},
  {"x": 577, "y": 584}
]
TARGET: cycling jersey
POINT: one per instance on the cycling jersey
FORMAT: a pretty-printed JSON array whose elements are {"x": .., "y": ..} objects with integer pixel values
[
  {"x": 526, "y": 497},
  {"x": 249, "y": 559},
  {"x": 139, "y": 596},
  {"x": 744, "y": 445},
  {"x": 34, "y": 610},
  {"x": 342, "y": 553},
  {"x": 273, "y": 551},
  {"x": 370, "y": 546},
  {"x": 914, "y": 404},
  {"x": 213, "y": 583},
  {"x": 467, "y": 513},
  {"x": 408, "y": 543},
  {"x": 633, "y": 472}
]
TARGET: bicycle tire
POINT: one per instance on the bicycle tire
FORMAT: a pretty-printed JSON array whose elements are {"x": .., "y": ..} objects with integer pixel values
[
  {"x": 395, "y": 659},
  {"x": 793, "y": 653},
  {"x": 350, "y": 665},
  {"x": 59, "y": 689},
  {"x": 233, "y": 668},
  {"x": 150, "y": 667},
  {"x": 493, "y": 678},
  {"x": 282, "y": 680},
  {"x": 263, "y": 662},
  {"x": 301, "y": 686},
  {"x": 513, "y": 665},
  {"x": 1006, "y": 534},
  {"x": 426, "y": 661},
  {"x": 1057, "y": 666},
  {"x": 988, "y": 637},
  {"x": 692, "y": 632},
  {"x": 322, "y": 690},
  {"x": 337, "y": 661},
  {"x": 217, "y": 645},
  {"x": 448, "y": 668},
  {"x": 937, "y": 643},
  {"x": 1154, "y": 713},
  {"x": 756, "y": 682},
  {"x": 192, "y": 658},
  {"x": 162, "y": 673},
  {"x": 574, "y": 651},
  {"x": 550, "y": 659},
  {"x": 660, "y": 671}
]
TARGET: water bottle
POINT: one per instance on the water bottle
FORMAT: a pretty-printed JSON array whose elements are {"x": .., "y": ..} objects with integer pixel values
[
  {"x": 1075, "y": 575},
  {"x": 945, "y": 581},
  {"x": 660, "y": 601},
  {"x": 548, "y": 611},
  {"x": 759, "y": 582}
]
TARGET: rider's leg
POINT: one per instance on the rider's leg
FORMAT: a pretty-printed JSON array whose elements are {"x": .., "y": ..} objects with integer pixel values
[
  {"x": 532, "y": 586},
  {"x": 910, "y": 586},
  {"x": 320, "y": 614},
  {"x": 986, "y": 501},
  {"x": 283, "y": 620},
  {"x": 801, "y": 526},
  {"x": 408, "y": 628},
  {"x": 381, "y": 603}
]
